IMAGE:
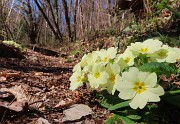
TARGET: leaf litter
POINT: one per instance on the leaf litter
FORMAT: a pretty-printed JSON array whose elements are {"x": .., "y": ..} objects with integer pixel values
[{"x": 38, "y": 89}]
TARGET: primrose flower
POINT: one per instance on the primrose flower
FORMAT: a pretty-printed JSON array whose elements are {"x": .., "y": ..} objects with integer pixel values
[
  {"x": 166, "y": 54},
  {"x": 106, "y": 55},
  {"x": 139, "y": 87},
  {"x": 97, "y": 76},
  {"x": 89, "y": 58},
  {"x": 173, "y": 55},
  {"x": 76, "y": 79},
  {"x": 127, "y": 57},
  {"x": 77, "y": 67},
  {"x": 146, "y": 47},
  {"x": 114, "y": 78}
]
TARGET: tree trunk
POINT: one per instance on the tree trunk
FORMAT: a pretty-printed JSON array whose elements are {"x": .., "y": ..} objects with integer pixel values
[
  {"x": 56, "y": 34},
  {"x": 67, "y": 18},
  {"x": 75, "y": 21}
]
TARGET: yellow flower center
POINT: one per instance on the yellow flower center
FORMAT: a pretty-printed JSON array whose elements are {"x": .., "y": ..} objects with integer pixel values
[
  {"x": 106, "y": 59},
  {"x": 79, "y": 79},
  {"x": 112, "y": 78},
  {"x": 162, "y": 53},
  {"x": 139, "y": 87},
  {"x": 97, "y": 75},
  {"x": 127, "y": 59},
  {"x": 144, "y": 50}
]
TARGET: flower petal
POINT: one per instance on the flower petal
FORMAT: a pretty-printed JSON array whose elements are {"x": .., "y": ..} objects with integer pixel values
[
  {"x": 152, "y": 97},
  {"x": 140, "y": 100},
  {"x": 127, "y": 94},
  {"x": 132, "y": 75},
  {"x": 124, "y": 85},
  {"x": 142, "y": 76},
  {"x": 157, "y": 90},
  {"x": 151, "y": 80}
]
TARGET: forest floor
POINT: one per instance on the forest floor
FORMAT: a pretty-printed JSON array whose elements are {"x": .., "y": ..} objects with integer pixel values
[
  {"x": 35, "y": 90},
  {"x": 45, "y": 80}
]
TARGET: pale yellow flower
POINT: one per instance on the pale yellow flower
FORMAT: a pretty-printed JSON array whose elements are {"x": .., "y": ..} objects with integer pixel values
[
  {"x": 97, "y": 76},
  {"x": 125, "y": 59},
  {"x": 166, "y": 54},
  {"x": 146, "y": 47},
  {"x": 76, "y": 79},
  {"x": 107, "y": 55},
  {"x": 113, "y": 71},
  {"x": 139, "y": 87}
]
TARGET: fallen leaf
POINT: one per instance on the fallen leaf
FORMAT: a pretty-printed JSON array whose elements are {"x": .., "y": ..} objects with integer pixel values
[
  {"x": 177, "y": 83},
  {"x": 76, "y": 112},
  {"x": 10, "y": 75},
  {"x": 37, "y": 73},
  {"x": 7, "y": 96},
  {"x": 2, "y": 79},
  {"x": 34, "y": 101},
  {"x": 63, "y": 103},
  {"x": 19, "y": 101},
  {"x": 60, "y": 104}
]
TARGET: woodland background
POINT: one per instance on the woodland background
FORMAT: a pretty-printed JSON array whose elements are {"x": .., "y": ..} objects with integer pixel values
[{"x": 53, "y": 22}]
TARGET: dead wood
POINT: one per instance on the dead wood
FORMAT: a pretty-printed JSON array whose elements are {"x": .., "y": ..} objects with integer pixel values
[{"x": 8, "y": 51}]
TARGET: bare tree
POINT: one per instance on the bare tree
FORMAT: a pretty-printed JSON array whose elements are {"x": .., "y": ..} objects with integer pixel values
[
  {"x": 68, "y": 24},
  {"x": 55, "y": 29},
  {"x": 32, "y": 19},
  {"x": 74, "y": 7},
  {"x": 4, "y": 14}
]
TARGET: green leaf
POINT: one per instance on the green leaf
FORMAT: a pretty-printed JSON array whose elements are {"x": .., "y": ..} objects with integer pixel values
[
  {"x": 107, "y": 100},
  {"x": 116, "y": 119},
  {"x": 126, "y": 120},
  {"x": 74, "y": 52},
  {"x": 178, "y": 71},
  {"x": 134, "y": 117},
  {"x": 175, "y": 100},
  {"x": 172, "y": 10},
  {"x": 162, "y": 4},
  {"x": 173, "y": 97},
  {"x": 159, "y": 68},
  {"x": 113, "y": 119},
  {"x": 119, "y": 105}
]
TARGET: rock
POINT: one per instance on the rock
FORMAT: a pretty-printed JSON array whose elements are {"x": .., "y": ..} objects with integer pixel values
[{"x": 76, "y": 112}]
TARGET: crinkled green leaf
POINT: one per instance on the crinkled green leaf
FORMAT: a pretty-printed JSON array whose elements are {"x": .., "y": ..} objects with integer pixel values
[
  {"x": 126, "y": 120},
  {"x": 107, "y": 100},
  {"x": 113, "y": 119},
  {"x": 116, "y": 119},
  {"x": 159, "y": 68},
  {"x": 134, "y": 117}
]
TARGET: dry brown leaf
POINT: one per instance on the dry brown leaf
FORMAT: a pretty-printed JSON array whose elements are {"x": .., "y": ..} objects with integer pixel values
[
  {"x": 21, "y": 99},
  {"x": 2, "y": 78},
  {"x": 35, "y": 101},
  {"x": 10, "y": 75},
  {"x": 37, "y": 73},
  {"x": 63, "y": 103},
  {"x": 7, "y": 96},
  {"x": 177, "y": 83}
]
